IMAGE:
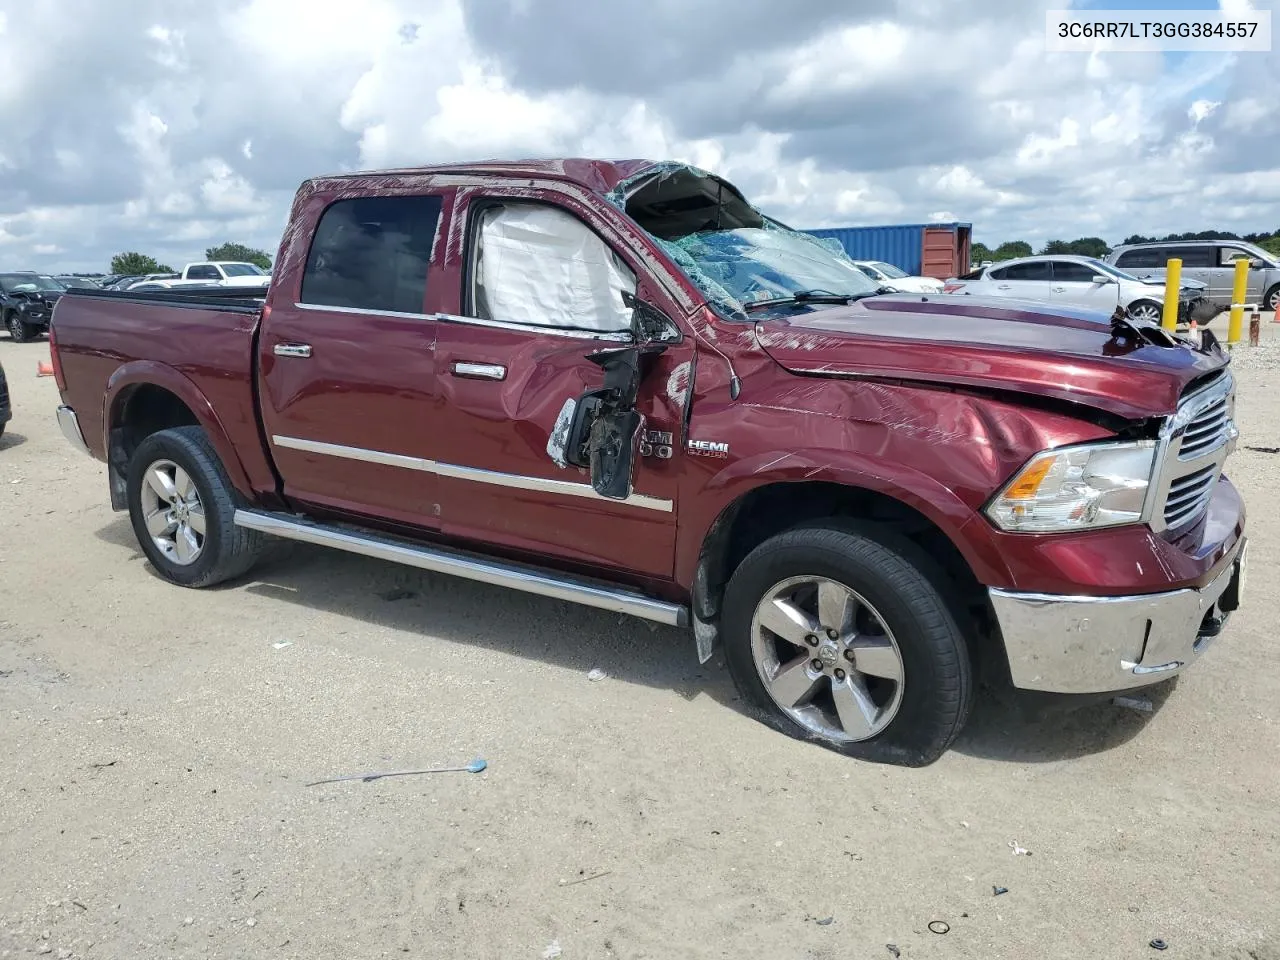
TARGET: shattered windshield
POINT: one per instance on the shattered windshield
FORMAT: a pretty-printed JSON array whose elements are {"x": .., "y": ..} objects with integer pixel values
[
  {"x": 735, "y": 268},
  {"x": 29, "y": 283},
  {"x": 731, "y": 251}
]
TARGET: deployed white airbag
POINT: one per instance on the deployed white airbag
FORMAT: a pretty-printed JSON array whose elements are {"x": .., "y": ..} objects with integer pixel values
[{"x": 541, "y": 266}]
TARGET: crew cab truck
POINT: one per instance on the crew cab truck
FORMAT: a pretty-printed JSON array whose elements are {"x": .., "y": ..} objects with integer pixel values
[
  {"x": 226, "y": 273},
  {"x": 617, "y": 383}
]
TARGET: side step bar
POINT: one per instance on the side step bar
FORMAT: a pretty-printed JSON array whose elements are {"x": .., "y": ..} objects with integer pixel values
[{"x": 470, "y": 566}]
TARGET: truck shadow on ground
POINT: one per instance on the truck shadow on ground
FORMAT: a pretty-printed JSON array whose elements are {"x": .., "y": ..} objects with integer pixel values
[
  {"x": 382, "y": 594},
  {"x": 10, "y": 439}
]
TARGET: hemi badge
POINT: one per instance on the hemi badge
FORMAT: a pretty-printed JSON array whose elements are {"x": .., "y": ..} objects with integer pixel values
[{"x": 708, "y": 448}]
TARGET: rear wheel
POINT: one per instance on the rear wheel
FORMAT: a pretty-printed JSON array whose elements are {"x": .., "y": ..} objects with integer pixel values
[
  {"x": 838, "y": 636},
  {"x": 1271, "y": 301},
  {"x": 182, "y": 507}
]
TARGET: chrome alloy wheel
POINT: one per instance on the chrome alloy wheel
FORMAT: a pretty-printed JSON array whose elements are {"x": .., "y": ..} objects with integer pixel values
[
  {"x": 1146, "y": 313},
  {"x": 827, "y": 658},
  {"x": 173, "y": 512}
]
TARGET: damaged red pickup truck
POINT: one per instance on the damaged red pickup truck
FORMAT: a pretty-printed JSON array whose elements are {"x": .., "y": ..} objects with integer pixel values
[{"x": 618, "y": 383}]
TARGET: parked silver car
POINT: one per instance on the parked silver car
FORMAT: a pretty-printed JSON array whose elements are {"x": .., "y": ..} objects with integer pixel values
[
  {"x": 1209, "y": 261},
  {"x": 1082, "y": 282}
]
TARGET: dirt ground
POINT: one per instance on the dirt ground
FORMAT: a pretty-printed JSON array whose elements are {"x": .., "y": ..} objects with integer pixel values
[{"x": 158, "y": 744}]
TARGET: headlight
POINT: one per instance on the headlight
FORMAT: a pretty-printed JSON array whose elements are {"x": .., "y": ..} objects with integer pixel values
[{"x": 1077, "y": 488}]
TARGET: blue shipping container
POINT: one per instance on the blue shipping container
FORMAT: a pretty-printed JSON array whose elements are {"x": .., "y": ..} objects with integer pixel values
[{"x": 921, "y": 249}]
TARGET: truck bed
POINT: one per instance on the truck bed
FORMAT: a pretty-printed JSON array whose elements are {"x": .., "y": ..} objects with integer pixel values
[
  {"x": 233, "y": 299},
  {"x": 197, "y": 346}
]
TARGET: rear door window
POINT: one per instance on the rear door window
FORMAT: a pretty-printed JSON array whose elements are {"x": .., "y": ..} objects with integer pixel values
[
  {"x": 1194, "y": 256},
  {"x": 1141, "y": 257},
  {"x": 372, "y": 253},
  {"x": 205, "y": 272},
  {"x": 1035, "y": 270}
]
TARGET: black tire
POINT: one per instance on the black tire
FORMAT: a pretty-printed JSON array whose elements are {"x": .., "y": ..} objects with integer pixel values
[
  {"x": 19, "y": 329},
  {"x": 1271, "y": 299},
  {"x": 900, "y": 581},
  {"x": 228, "y": 551}
]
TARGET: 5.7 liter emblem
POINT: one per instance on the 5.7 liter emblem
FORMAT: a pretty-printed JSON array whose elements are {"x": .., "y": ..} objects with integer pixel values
[{"x": 708, "y": 448}]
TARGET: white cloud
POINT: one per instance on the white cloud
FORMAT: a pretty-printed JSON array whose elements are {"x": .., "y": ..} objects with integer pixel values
[{"x": 191, "y": 130}]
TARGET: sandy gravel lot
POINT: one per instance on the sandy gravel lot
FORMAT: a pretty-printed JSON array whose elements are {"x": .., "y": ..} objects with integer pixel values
[{"x": 157, "y": 744}]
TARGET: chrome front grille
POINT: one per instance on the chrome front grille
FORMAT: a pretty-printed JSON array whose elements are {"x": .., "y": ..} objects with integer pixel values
[
  {"x": 1193, "y": 445},
  {"x": 1189, "y": 495},
  {"x": 1206, "y": 432}
]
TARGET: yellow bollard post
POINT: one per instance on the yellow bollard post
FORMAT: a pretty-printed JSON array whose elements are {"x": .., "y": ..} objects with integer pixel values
[
  {"x": 1172, "y": 287},
  {"x": 1237, "y": 302}
]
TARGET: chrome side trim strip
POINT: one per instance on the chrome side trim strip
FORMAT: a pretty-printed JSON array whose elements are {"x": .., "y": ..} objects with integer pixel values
[
  {"x": 354, "y": 453},
  {"x": 363, "y": 311},
  {"x": 542, "y": 485},
  {"x": 516, "y": 481},
  {"x": 619, "y": 337},
  {"x": 472, "y": 567}
]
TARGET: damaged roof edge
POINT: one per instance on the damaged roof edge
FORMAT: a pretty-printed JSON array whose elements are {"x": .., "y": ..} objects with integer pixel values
[
  {"x": 599, "y": 176},
  {"x": 662, "y": 170}
]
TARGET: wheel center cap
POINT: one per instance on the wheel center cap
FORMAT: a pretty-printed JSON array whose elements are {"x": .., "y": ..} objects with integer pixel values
[{"x": 828, "y": 654}]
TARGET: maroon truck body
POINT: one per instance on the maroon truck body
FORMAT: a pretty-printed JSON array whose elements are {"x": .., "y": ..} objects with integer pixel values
[{"x": 927, "y": 403}]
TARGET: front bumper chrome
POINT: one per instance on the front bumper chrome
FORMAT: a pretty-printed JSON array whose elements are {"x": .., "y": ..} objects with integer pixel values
[
  {"x": 70, "y": 426},
  {"x": 1068, "y": 644}
]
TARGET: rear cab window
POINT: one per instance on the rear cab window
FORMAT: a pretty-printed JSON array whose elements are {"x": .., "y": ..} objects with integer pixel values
[{"x": 372, "y": 254}]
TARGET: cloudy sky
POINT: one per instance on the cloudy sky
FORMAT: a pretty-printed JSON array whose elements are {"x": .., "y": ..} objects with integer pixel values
[{"x": 170, "y": 125}]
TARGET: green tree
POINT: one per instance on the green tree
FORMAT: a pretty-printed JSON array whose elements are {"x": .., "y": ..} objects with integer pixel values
[
  {"x": 1089, "y": 247},
  {"x": 980, "y": 253},
  {"x": 239, "y": 253},
  {"x": 1056, "y": 246},
  {"x": 133, "y": 263},
  {"x": 1012, "y": 248}
]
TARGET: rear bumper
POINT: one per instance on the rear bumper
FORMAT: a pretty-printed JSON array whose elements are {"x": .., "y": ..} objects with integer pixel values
[
  {"x": 1070, "y": 644},
  {"x": 69, "y": 424}
]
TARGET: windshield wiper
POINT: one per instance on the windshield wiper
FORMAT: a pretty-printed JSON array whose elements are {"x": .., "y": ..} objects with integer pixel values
[{"x": 812, "y": 296}]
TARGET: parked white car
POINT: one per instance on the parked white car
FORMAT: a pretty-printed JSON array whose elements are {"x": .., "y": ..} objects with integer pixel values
[
  {"x": 1078, "y": 281},
  {"x": 227, "y": 273},
  {"x": 887, "y": 275}
]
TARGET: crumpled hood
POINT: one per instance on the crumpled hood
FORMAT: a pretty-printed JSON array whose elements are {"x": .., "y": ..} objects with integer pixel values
[{"x": 992, "y": 343}]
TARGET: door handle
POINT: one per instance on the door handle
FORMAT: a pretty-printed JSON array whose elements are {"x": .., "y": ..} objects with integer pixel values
[
  {"x": 292, "y": 349},
  {"x": 1059, "y": 289},
  {"x": 1002, "y": 286},
  {"x": 478, "y": 371}
]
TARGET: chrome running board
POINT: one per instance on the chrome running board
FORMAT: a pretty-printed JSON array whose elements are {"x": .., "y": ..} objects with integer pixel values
[{"x": 471, "y": 566}]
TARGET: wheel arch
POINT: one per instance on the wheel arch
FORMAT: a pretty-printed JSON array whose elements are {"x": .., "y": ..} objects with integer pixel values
[
  {"x": 924, "y": 511},
  {"x": 145, "y": 397}
]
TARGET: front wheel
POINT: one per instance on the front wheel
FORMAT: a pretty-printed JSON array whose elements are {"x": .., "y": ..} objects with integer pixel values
[
  {"x": 19, "y": 329},
  {"x": 1271, "y": 300},
  {"x": 838, "y": 636},
  {"x": 1146, "y": 311},
  {"x": 182, "y": 507}
]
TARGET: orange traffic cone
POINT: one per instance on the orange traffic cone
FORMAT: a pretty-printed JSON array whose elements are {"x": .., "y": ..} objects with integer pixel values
[
  {"x": 44, "y": 369},
  {"x": 1276, "y": 318}
]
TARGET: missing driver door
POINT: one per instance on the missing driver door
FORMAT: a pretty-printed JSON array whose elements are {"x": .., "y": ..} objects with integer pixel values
[{"x": 544, "y": 290}]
